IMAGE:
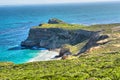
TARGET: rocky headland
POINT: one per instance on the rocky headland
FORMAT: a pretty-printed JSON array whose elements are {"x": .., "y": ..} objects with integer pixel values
[
  {"x": 90, "y": 52},
  {"x": 57, "y": 33}
]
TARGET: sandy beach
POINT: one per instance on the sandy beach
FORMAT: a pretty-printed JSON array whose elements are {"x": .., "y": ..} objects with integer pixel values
[{"x": 45, "y": 55}]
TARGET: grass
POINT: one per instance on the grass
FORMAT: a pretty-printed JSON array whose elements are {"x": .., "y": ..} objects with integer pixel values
[
  {"x": 98, "y": 64},
  {"x": 74, "y": 49},
  {"x": 106, "y": 27},
  {"x": 102, "y": 66},
  {"x": 63, "y": 26}
]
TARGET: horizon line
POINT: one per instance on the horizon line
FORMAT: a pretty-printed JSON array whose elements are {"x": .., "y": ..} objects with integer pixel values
[{"x": 59, "y": 3}]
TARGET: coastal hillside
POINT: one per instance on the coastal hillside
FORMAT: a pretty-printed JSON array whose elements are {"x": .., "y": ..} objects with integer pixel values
[
  {"x": 69, "y": 38},
  {"x": 87, "y": 53}
]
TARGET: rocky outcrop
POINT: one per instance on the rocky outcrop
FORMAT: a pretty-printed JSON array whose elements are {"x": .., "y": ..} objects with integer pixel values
[
  {"x": 64, "y": 52},
  {"x": 55, "y": 21},
  {"x": 94, "y": 41},
  {"x": 52, "y": 38}
]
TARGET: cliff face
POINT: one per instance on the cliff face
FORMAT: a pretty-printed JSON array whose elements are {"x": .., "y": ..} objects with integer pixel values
[
  {"x": 94, "y": 41},
  {"x": 52, "y": 38}
]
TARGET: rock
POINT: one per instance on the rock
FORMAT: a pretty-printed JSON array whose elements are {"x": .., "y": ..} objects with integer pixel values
[
  {"x": 93, "y": 42},
  {"x": 65, "y": 57},
  {"x": 64, "y": 52},
  {"x": 55, "y": 21},
  {"x": 81, "y": 35},
  {"x": 40, "y": 24},
  {"x": 29, "y": 44},
  {"x": 53, "y": 38}
]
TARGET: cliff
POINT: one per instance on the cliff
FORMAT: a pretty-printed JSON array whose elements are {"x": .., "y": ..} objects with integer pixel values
[
  {"x": 56, "y": 37},
  {"x": 53, "y": 38},
  {"x": 101, "y": 58}
]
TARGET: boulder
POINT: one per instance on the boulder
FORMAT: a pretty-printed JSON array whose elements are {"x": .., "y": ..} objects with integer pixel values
[
  {"x": 66, "y": 57},
  {"x": 64, "y": 52}
]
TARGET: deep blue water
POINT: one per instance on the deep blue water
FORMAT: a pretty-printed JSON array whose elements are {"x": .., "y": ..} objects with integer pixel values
[{"x": 15, "y": 22}]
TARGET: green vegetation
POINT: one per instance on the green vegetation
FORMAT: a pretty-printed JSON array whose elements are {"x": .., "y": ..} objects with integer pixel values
[
  {"x": 98, "y": 66},
  {"x": 75, "y": 48},
  {"x": 63, "y": 26},
  {"x": 99, "y": 63},
  {"x": 79, "y": 26}
]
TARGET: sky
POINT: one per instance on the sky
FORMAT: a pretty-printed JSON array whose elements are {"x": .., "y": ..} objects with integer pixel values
[{"x": 20, "y": 2}]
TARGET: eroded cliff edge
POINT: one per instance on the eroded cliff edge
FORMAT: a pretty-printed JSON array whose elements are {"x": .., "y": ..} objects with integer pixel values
[{"x": 51, "y": 37}]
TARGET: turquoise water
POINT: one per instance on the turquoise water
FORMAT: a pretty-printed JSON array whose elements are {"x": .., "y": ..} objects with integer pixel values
[{"x": 15, "y": 22}]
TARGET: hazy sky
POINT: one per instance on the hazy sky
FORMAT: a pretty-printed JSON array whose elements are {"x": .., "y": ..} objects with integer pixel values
[{"x": 16, "y": 2}]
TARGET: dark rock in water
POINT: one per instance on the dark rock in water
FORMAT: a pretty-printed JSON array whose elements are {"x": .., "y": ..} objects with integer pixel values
[
  {"x": 55, "y": 21},
  {"x": 17, "y": 48},
  {"x": 52, "y": 38}
]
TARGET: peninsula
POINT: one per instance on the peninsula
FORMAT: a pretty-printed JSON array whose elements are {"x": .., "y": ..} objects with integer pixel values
[{"x": 86, "y": 53}]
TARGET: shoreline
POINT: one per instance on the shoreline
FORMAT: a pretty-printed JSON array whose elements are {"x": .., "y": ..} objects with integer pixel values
[{"x": 45, "y": 55}]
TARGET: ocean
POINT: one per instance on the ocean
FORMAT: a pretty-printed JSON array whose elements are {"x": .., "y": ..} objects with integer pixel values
[{"x": 15, "y": 22}]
